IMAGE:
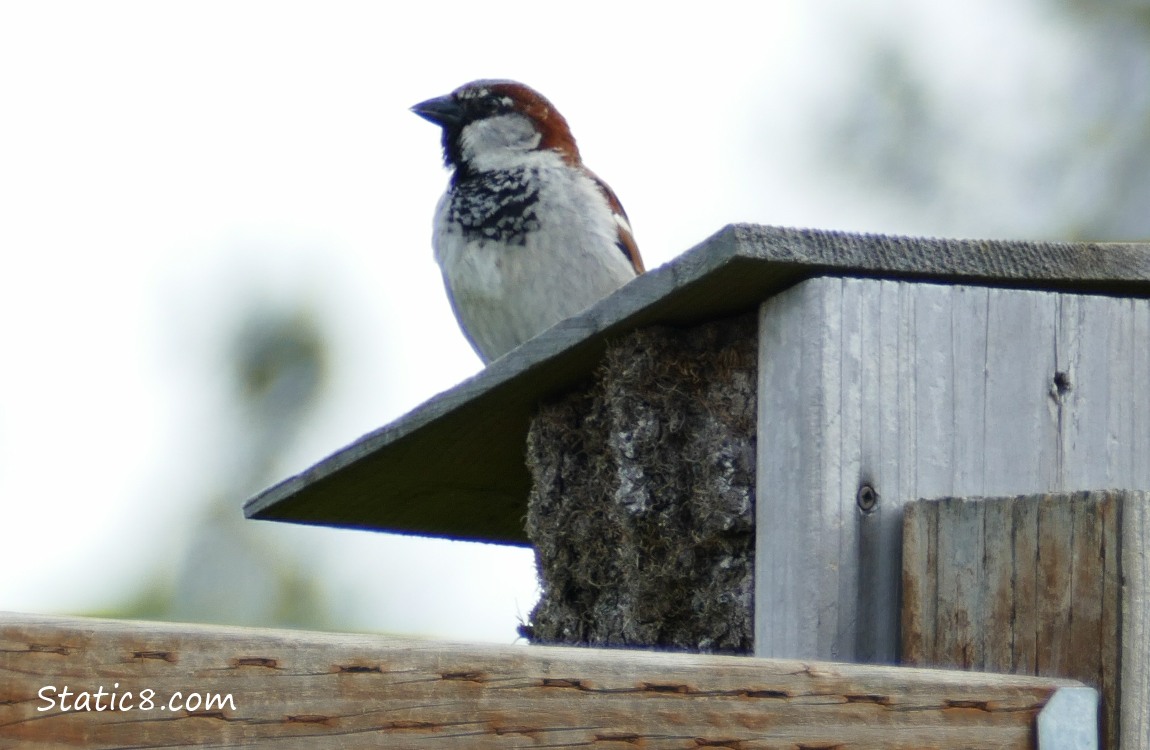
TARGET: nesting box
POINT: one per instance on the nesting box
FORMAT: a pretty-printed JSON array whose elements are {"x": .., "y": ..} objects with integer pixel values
[{"x": 750, "y": 420}]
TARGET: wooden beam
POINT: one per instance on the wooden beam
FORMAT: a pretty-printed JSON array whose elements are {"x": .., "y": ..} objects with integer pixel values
[{"x": 314, "y": 690}]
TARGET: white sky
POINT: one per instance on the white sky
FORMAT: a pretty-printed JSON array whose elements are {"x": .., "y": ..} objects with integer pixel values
[{"x": 161, "y": 163}]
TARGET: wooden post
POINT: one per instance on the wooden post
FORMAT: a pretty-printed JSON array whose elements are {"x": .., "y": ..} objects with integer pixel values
[
  {"x": 319, "y": 690},
  {"x": 1052, "y": 585},
  {"x": 875, "y": 393}
]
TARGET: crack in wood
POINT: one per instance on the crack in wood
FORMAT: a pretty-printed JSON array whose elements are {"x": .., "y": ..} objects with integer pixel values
[
  {"x": 727, "y": 743},
  {"x": 44, "y": 648},
  {"x": 776, "y": 694},
  {"x": 426, "y": 725},
  {"x": 255, "y": 661},
  {"x": 561, "y": 682},
  {"x": 881, "y": 700},
  {"x": 218, "y": 715},
  {"x": 167, "y": 656},
  {"x": 532, "y": 732},
  {"x": 652, "y": 687},
  {"x": 980, "y": 705},
  {"x": 668, "y": 689},
  {"x": 629, "y": 738}
]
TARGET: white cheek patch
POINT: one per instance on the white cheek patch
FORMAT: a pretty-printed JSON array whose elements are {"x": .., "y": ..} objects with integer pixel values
[{"x": 484, "y": 140}]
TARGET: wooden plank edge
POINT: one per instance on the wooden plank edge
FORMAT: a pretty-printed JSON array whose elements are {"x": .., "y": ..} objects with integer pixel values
[
  {"x": 1134, "y": 690},
  {"x": 557, "y": 343},
  {"x": 306, "y": 689}
]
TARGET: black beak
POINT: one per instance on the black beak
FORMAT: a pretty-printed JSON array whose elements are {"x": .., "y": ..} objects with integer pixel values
[{"x": 442, "y": 110}]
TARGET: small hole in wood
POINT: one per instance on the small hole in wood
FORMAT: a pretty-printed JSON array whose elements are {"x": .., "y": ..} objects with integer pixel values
[
  {"x": 1062, "y": 382},
  {"x": 867, "y": 498}
]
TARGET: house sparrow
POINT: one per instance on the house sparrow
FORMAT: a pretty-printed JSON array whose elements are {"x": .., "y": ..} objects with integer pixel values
[{"x": 525, "y": 234}]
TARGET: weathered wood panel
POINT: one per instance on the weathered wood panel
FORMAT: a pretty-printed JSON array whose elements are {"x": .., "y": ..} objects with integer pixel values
[
  {"x": 313, "y": 690},
  {"x": 1054, "y": 584},
  {"x": 908, "y": 390},
  {"x": 1133, "y": 675}
]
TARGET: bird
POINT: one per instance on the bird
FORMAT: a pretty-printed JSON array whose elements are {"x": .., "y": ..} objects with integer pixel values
[{"x": 525, "y": 235}]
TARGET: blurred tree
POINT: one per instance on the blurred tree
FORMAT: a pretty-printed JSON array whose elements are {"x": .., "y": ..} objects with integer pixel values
[
  {"x": 233, "y": 571},
  {"x": 1047, "y": 136},
  {"x": 280, "y": 364}
]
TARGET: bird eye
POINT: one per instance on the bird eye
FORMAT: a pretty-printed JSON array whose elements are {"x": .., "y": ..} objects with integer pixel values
[{"x": 494, "y": 105}]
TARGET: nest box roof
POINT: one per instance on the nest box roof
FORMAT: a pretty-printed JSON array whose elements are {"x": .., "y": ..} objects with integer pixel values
[{"x": 454, "y": 466}]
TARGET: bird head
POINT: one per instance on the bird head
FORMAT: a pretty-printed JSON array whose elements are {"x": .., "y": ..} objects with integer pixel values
[{"x": 491, "y": 124}]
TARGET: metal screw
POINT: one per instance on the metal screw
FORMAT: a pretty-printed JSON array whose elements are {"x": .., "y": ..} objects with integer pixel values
[{"x": 866, "y": 498}]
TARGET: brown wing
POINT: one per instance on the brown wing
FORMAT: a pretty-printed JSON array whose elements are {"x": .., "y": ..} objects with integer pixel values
[{"x": 626, "y": 241}]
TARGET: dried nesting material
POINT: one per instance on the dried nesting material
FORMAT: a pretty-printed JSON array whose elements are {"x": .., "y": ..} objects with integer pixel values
[{"x": 642, "y": 506}]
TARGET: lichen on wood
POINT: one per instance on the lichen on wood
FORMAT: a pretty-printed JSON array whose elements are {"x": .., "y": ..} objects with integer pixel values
[{"x": 642, "y": 506}]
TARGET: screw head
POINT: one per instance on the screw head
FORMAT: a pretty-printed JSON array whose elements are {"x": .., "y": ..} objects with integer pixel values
[{"x": 867, "y": 498}]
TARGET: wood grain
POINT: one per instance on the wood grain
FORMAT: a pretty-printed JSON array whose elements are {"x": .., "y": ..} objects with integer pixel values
[
  {"x": 1057, "y": 585},
  {"x": 927, "y": 390},
  {"x": 1134, "y": 671},
  {"x": 314, "y": 690}
]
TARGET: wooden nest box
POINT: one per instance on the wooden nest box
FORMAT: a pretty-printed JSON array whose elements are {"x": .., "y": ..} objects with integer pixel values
[{"x": 718, "y": 457}]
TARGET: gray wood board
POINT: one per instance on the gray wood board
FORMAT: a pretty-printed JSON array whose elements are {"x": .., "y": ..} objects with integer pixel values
[
  {"x": 453, "y": 467},
  {"x": 926, "y": 390}
]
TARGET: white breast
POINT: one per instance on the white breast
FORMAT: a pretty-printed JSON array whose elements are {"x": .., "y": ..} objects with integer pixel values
[{"x": 505, "y": 294}]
